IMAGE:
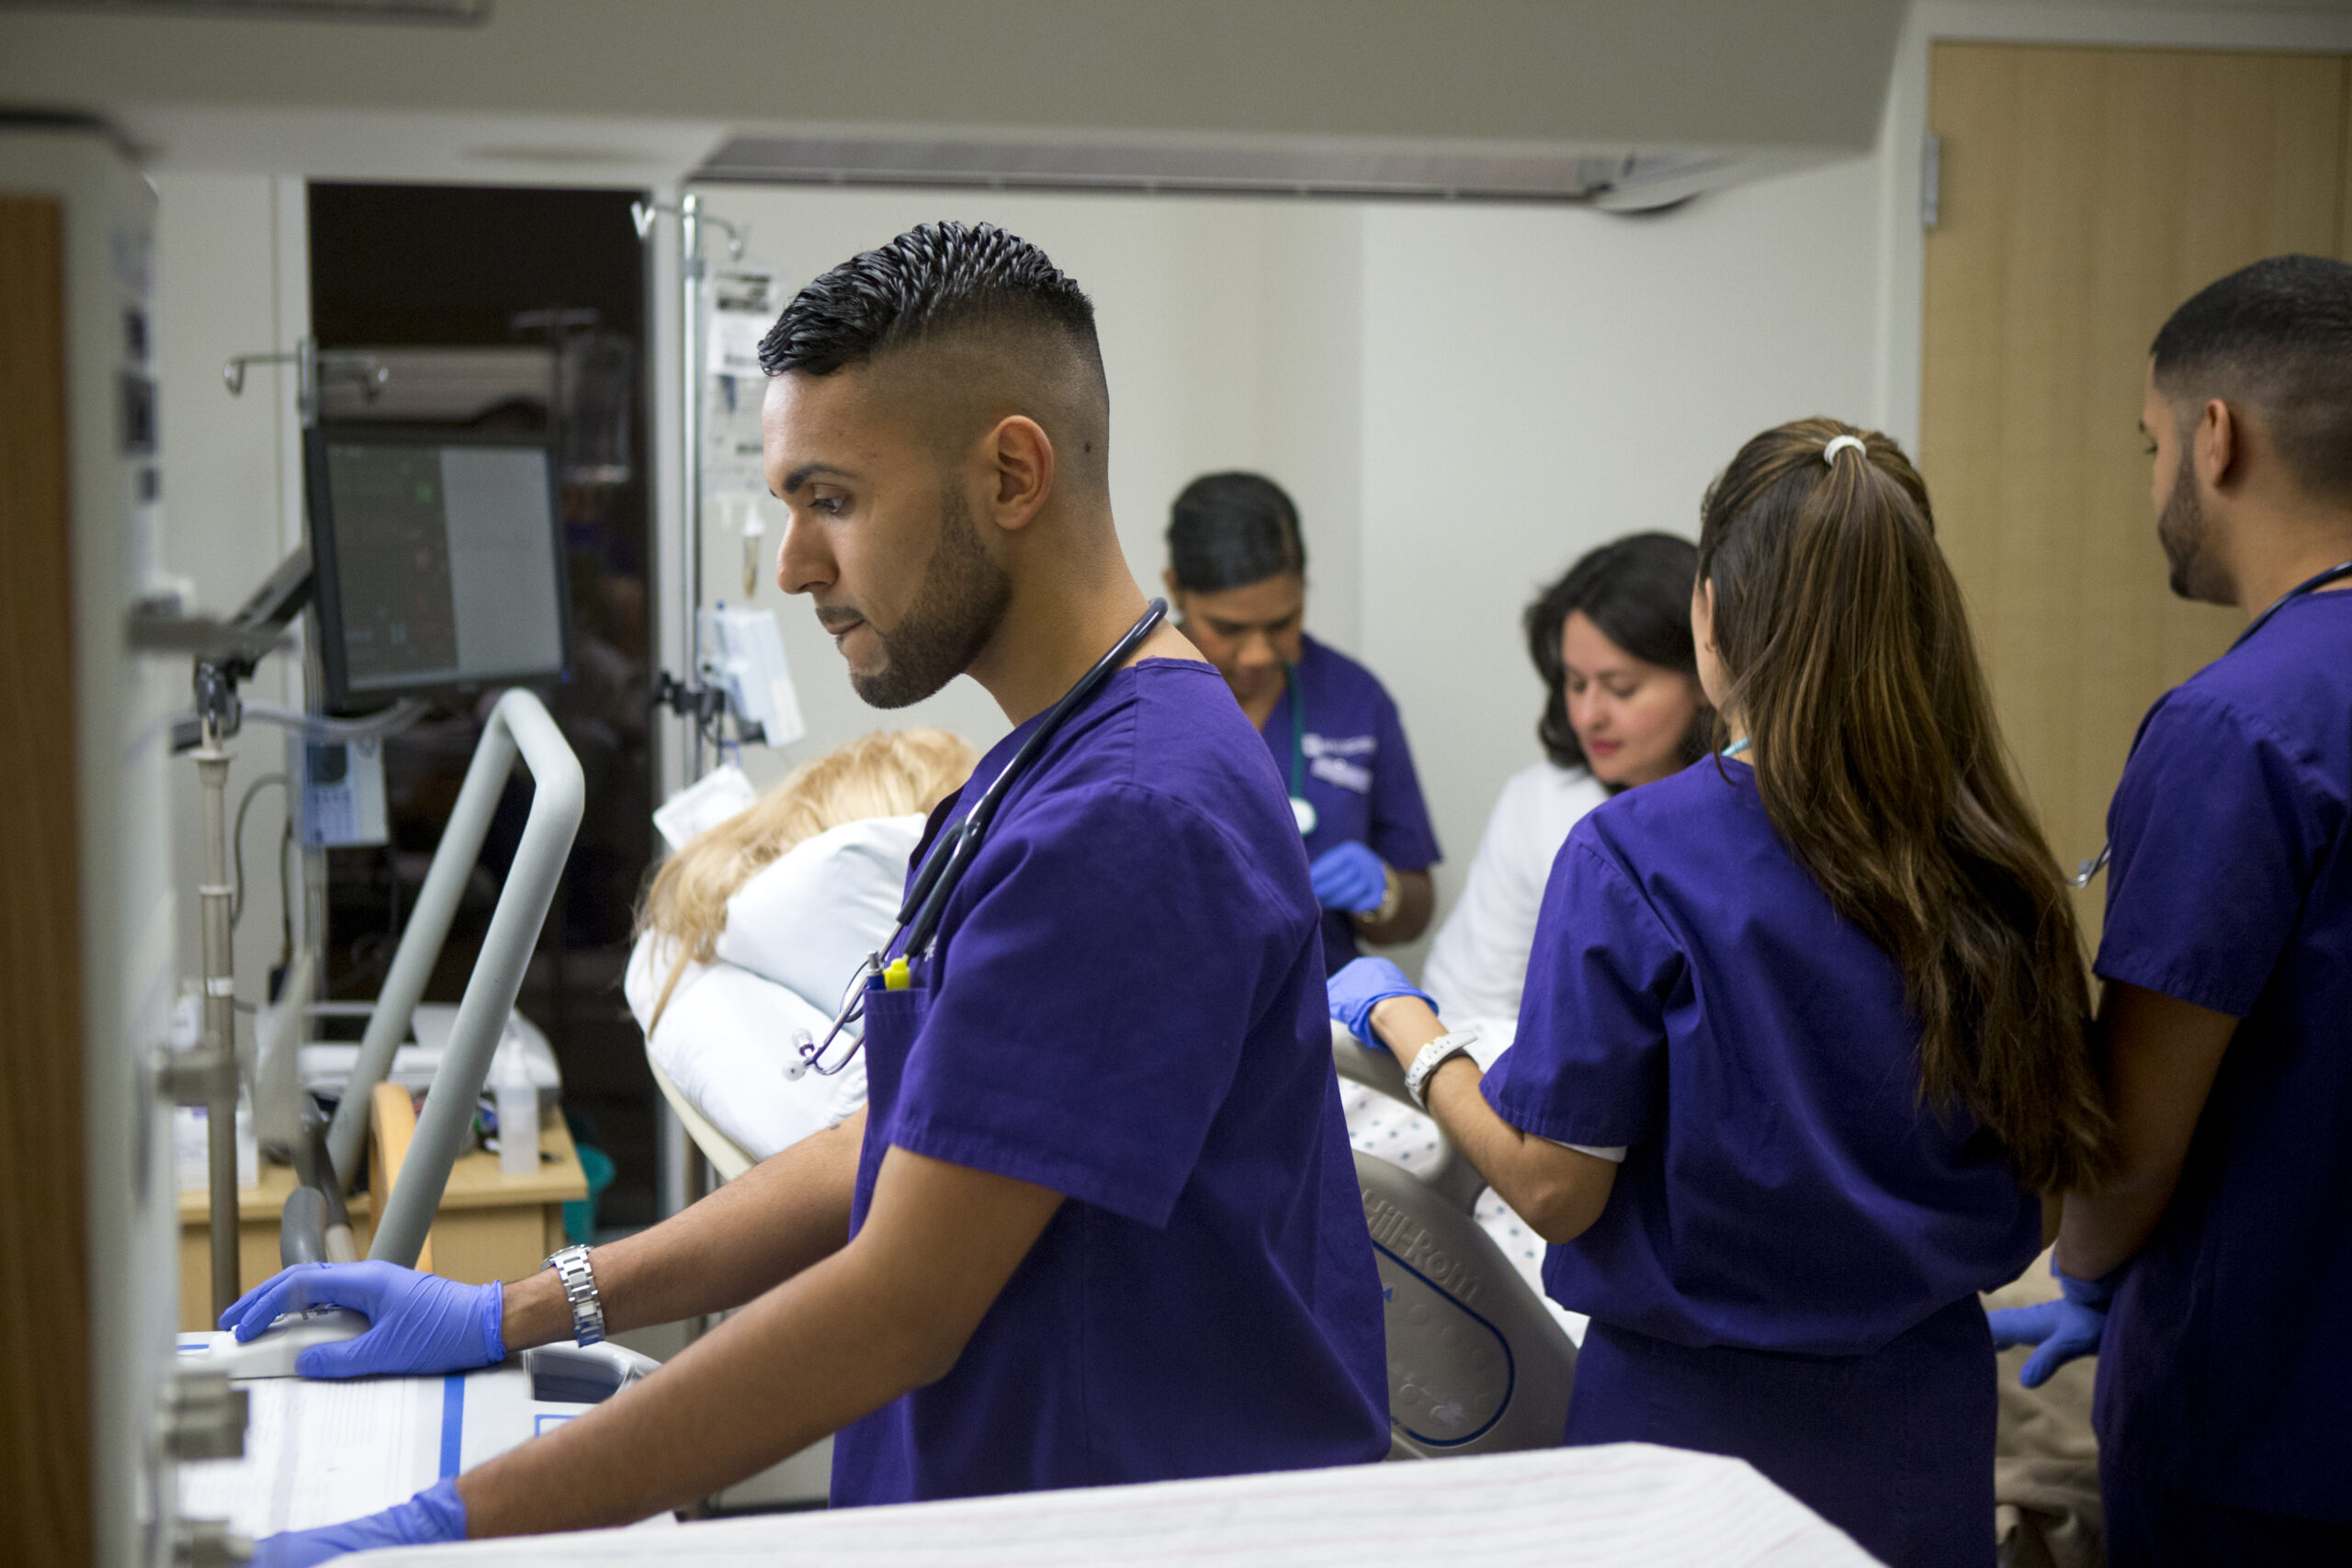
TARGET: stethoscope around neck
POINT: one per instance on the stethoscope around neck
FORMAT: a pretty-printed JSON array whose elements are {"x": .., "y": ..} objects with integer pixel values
[
  {"x": 2312, "y": 585},
  {"x": 950, "y": 858}
]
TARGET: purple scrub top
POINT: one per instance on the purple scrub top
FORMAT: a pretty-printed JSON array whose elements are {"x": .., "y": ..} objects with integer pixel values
[
  {"x": 1125, "y": 1004},
  {"x": 1358, "y": 774},
  {"x": 2226, "y": 1370},
  {"x": 1694, "y": 996}
]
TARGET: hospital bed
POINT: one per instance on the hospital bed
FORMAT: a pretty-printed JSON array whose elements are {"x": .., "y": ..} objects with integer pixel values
[
  {"x": 320, "y": 1452},
  {"x": 1478, "y": 1362}
]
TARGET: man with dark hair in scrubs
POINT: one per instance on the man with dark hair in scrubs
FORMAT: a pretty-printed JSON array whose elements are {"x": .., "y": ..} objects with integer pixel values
[
  {"x": 2212, "y": 1274},
  {"x": 1236, "y": 576},
  {"x": 1098, "y": 1222}
]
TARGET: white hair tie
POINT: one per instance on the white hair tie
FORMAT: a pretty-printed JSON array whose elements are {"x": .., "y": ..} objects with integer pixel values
[{"x": 1829, "y": 453}]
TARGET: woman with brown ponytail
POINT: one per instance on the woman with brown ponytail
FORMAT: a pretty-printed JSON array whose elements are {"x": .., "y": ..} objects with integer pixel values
[{"x": 1802, "y": 1035}]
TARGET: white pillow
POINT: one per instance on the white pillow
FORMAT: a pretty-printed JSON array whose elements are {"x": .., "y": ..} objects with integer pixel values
[
  {"x": 725, "y": 1040},
  {"x": 807, "y": 919}
]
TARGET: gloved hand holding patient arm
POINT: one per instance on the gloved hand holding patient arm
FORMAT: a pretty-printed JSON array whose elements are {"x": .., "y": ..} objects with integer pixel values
[{"x": 1559, "y": 1191}]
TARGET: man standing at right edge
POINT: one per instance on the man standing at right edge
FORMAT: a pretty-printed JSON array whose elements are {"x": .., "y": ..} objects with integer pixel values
[{"x": 2213, "y": 1274}]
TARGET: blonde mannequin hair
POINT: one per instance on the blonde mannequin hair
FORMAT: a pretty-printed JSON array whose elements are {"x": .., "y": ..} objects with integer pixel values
[{"x": 890, "y": 772}]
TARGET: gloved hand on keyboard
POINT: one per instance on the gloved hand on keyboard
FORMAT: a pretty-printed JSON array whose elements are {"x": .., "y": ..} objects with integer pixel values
[
  {"x": 431, "y": 1517},
  {"x": 418, "y": 1323},
  {"x": 1363, "y": 985},
  {"x": 2065, "y": 1328},
  {"x": 1349, "y": 878}
]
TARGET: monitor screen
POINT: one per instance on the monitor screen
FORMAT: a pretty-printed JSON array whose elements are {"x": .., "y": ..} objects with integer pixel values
[{"x": 439, "y": 559}]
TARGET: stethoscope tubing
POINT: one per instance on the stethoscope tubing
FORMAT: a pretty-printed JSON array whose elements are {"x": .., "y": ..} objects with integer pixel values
[{"x": 935, "y": 882}]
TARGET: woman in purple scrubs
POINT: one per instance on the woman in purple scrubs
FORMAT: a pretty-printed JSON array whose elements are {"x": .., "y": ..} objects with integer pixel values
[
  {"x": 1236, "y": 576},
  {"x": 1802, "y": 1033}
]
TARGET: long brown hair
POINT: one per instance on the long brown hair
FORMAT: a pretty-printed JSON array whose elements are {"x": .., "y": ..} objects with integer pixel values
[
  {"x": 889, "y": 772},
  {"x": 1846, "y": 644}
]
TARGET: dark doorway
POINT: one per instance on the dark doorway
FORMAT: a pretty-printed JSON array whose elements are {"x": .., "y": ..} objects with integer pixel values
[{"x": 520, "y": 311}]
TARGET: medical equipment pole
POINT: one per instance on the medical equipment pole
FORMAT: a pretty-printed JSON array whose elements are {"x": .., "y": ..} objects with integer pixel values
[
  {"x": 214, "y": 899},
  {"x": 690, "y": 274},
  {"x": 518, "y": 724}
]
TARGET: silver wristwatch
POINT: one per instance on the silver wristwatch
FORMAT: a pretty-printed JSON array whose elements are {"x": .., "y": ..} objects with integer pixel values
[
  {"x": 1433, "y": 1055},
  {"x": 570, "y": 1266}
]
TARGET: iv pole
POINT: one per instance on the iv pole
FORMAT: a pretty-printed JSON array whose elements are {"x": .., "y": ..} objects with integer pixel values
[{"x": 690, "y": 699}]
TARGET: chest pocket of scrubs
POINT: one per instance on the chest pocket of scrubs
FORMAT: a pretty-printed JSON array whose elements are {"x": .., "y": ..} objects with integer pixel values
[
  {"x": 893, "y": 1019},
  {"x": 1344, "y": 761}
]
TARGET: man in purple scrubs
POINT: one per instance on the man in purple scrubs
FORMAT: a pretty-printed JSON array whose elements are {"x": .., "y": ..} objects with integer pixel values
[
  {"x": 2213, "y": 1274},
  {"x": 1099, "y": 1222}
]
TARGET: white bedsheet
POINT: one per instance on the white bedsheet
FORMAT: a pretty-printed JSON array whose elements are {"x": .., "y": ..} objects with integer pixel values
[{"x": 1619, "y": 1507}]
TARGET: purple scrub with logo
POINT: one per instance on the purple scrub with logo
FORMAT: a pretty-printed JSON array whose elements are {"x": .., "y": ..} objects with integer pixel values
[
  {"x": 2225, "y": 1375},
  {"x": 1356, "y": 771},
  {"x": 1125, "y": 1004},
  {"x": 1787, "y": 1266}
]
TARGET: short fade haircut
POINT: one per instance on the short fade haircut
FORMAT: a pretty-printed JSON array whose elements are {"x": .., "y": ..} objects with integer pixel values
[
  {"x": 1231, "y": 530},
  {"x": 2277, "y": 336},
  {"x": 935, "y": 279}
]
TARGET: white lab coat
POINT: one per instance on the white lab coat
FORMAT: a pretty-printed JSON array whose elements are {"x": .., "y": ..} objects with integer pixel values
[{"x": 1477, "y": 966}]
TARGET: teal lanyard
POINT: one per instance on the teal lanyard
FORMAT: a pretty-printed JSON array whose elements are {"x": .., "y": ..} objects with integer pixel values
[
  {"x": 1297, "y": 732},
  {"x": 1736, "y": 747}
]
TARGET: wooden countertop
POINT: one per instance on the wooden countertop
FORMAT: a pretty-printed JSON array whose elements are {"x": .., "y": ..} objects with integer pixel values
[{"x": 475, "y": 1182}]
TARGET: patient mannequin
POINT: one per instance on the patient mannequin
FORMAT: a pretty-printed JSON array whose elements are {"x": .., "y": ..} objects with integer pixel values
[{"x": 749, "y": 933}]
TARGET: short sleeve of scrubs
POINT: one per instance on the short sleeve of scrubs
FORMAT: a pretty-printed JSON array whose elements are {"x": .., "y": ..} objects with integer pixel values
[
  {"x": 1401, "y": 834},
  {"x": 1082, "y": 1037},
  {"x": 1587, "y": 1065},
  {"x": 2213, "y": 840}
]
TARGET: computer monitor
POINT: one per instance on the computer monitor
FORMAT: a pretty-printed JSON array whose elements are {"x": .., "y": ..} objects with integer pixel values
[{"x": 439, "y": 560}]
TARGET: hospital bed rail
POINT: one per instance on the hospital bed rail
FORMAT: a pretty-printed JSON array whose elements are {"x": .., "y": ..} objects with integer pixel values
[
  {"x": 519, "y": 727},
  {"x": 1477, "y": 1362}
]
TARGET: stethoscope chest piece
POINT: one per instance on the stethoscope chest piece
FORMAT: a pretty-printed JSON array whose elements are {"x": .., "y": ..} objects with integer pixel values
[{"x": 1304, "y": 810}]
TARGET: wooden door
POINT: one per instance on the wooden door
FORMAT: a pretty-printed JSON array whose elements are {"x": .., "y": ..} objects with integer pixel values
[
  {"x": 45, "y": 1480},
  {"x": 2085, "y": 194}
]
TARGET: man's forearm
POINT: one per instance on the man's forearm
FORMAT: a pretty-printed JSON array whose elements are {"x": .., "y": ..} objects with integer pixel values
[
  {"x": 887, "y": 1313},
  {"x": 799, "y": 1363},
  {"x": 2161, "y": 1056},
  {"x": 776, "y": 1219}
]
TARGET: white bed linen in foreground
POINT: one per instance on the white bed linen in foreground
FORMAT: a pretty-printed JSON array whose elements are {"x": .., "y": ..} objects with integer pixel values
[{"x": 1627, "y": 1506}]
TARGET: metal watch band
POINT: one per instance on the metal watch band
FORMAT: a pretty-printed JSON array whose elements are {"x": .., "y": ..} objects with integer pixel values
[
  {"x": 1432, "y": 1057},
  {"x": 570, "y": 1266}
]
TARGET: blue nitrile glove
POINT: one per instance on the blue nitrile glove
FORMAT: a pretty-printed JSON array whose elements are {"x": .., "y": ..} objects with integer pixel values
[
  {"x": 1349, "y": 878},
  {"x": 2065, "y": 1328},
  {"x": 418, "y": 1323},
  {"x": 432, "y": 1515},
  {"x": 1363, "y": 985}
]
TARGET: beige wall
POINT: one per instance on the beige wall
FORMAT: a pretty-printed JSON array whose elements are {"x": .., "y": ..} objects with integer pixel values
[{"x": 1462, "y": 398}]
